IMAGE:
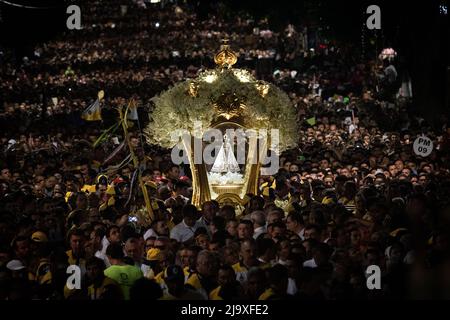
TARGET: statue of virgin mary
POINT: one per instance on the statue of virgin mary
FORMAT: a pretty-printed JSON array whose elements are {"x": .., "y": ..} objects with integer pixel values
[{"x": 225, "y": 161}]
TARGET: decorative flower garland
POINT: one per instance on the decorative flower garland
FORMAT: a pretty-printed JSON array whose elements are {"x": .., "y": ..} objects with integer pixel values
[{"x": 263, "y": 106}]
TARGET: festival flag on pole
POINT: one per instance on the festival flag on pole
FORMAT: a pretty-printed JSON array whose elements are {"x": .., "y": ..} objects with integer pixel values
[
  {"x": 311, "y": 121},
  {"x": 93, "y": 112},
  {"x": 132, "y": 112}
]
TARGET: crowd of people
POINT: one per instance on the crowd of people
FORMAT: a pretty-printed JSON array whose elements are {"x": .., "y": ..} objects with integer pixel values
[{"x": 353, "y": 194}]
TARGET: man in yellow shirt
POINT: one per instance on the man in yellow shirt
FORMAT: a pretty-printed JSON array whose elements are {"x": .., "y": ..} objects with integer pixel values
[
  {"x": 173, "y": 277},
  {"x": 97, "y": 279},
  {"x": 229, "y": 288},
  {"x": 204, "y": 280},
  {"x": 277, "y": 277},
  {"x": 76, "y": 254},
  {"x": 248, "y": 259}
]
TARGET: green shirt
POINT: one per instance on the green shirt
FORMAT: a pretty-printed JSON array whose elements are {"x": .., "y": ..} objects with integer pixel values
[{"x": 125, "y": 276}]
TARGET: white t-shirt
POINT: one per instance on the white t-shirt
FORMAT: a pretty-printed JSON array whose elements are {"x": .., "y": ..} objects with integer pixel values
[
  {"x": 310, "y": 263},
  {"x": 182, "y": 232}
]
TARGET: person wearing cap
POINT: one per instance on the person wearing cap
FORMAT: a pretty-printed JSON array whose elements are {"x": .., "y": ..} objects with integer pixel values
[
  {"x": 163, "y": 259},
  {"x": 39, "y": 237},
  {"x": 18, "y": 285},
  {"x": 17, "y": 268},
  {"x": 43, "y": 274},
  {"x": 157, "y": 258}
]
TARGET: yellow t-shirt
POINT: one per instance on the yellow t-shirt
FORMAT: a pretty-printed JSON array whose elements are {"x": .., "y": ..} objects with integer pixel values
[
  {"x": 96, "y": 293},
  {"x": 215, "y": 294},
  {"x": 266, "y": 295},
  {"x": 88, "y": 188}
]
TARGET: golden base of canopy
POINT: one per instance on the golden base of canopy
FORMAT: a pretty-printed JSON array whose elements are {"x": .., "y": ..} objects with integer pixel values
[
  {"x": 227, "y": 188},
  {"x": 232, "y": 194},
  {"x": 230, "y": 199}
]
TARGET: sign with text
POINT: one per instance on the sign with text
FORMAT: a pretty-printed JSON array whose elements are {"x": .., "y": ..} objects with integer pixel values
[{"x": 423, "y": 146}]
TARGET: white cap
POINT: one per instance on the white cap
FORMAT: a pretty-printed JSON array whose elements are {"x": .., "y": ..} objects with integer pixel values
[{"x": 15, "y": 265}]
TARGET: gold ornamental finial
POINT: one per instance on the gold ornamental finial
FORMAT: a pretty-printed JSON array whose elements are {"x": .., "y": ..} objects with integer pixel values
[{"x": 226, "y": 57}]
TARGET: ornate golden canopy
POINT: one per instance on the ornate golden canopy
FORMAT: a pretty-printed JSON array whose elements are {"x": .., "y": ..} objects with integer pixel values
[{"x": 222, "y": 98}]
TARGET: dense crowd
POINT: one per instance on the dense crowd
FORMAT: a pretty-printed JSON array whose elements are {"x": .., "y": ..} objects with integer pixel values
[{"x": 352, "y": 195}]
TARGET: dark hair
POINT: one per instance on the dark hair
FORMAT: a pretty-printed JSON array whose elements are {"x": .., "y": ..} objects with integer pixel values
[
  {"x": 115, "y": 251},
  {"x": 18, "y": 239},
  {"x": 200, "y": 231},
  {"x": 147, "y": 172},
  {"x": 277, "y": 224},
  {"x": 219, "y": 222},
  {"x": 100, "y": 232},
  {"x": 108, "y": 230},
  {"x": 276, "y": 274},
  {"x": 228, "y": 209},
  {"x": 145, "y": 289},
  {"x": 94, "y": 261},
  {"x": 251, "y": 241},
  {"x": 296, "y": 216},
  {"x": 246, "y": 222},
  {"x": 190, "y": 211},
  {"x": 227, "y": 267},
  {"x": 75, "y": 232},
  {"x": 313, "y": 226},
  {"x": 264, "y": 244},
  {"x": 259, "y": 200},
  {"x": 179, "y": 184},
  {"x": 321, "y": 248}
]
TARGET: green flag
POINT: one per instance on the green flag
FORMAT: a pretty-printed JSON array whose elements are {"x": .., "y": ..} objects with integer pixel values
[{"x": 311, "y": 121}]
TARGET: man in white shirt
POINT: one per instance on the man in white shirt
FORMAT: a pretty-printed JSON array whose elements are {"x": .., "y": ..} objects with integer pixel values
[
  {"x": 320, "y": 256},
  {"x": 179, "y": 193},
  {"x": 112, "y": 236},
  {"x": 259, "y": 223},
  {"x": 184, "y": 231}
]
